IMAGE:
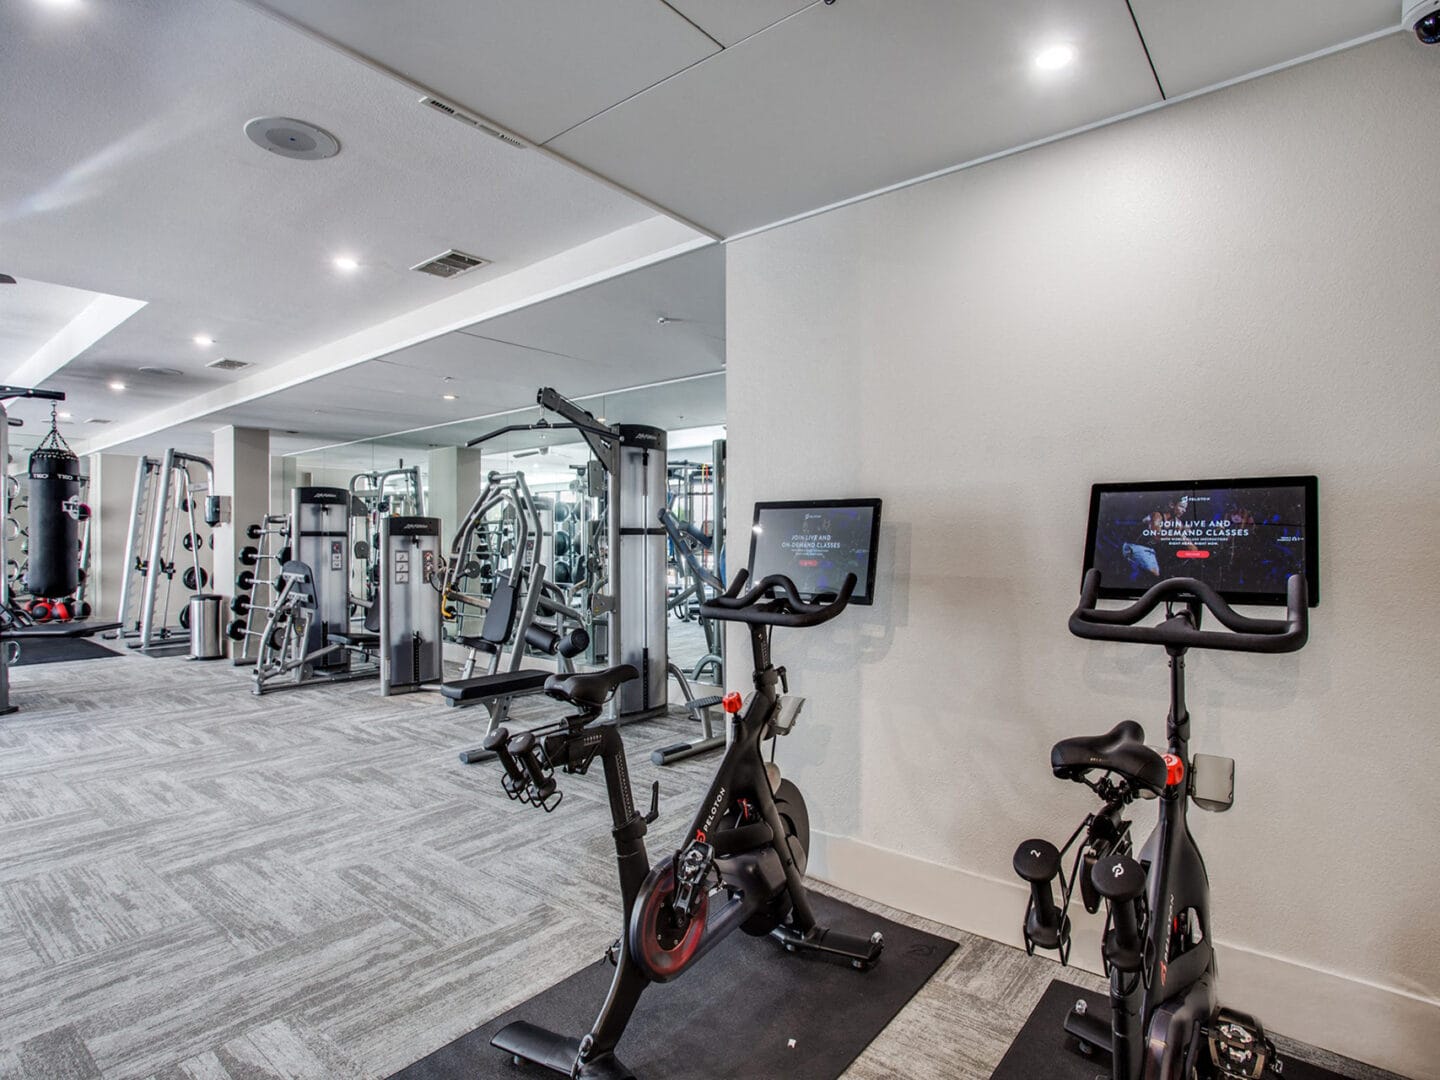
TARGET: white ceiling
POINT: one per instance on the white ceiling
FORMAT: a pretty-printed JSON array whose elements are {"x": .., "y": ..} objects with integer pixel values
[
  {"x": 603, "y": 338},
  {"x": 546, "y": 64},
  {"x": 33, "y": 312},
  {"x": 848, "y": 98},
  {"x": 813, "y": 103},
  {"x": 1195, "y": 45},
  {"x": 125, "y": 169}
]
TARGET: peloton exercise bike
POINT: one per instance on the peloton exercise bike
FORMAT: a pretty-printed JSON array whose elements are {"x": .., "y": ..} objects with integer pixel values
[
  {"x": 744, "y": 862},
  {"x": 1165, "y": 1022}
]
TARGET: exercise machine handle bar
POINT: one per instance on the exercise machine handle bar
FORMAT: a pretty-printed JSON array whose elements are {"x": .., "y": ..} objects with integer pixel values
[
  {"x": 685, "y": 552},
  {"x": 1182, "y": 631},
  {"x": 7, "y": 392},
  {"x": 774, "y": 602}
]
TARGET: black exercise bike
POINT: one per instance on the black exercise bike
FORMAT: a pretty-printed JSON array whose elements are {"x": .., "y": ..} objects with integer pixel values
[
  {"x": 1164, "y": 1021},
  {"x": 743, "y": 864}
]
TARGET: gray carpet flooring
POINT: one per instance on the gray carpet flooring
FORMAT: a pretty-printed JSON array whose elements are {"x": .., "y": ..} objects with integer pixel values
[{"x": 197, "y": 884}]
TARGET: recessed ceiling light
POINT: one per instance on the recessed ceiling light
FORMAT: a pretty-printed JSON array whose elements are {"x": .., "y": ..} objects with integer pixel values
[
  {"x": 448, "y": 397},
  {"x": 346, "y": 263},
  {"x": 1055, "y": 57},
  {"x": 204, "y": 340},
  {"x": 63, "y": 415},
  {"x": 116, "y": 384}
]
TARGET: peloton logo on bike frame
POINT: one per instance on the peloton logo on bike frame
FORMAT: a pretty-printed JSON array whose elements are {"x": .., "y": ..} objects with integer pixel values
[
  {"x": 1169, "y": 921},
  {"x": 715, "y": 806}
]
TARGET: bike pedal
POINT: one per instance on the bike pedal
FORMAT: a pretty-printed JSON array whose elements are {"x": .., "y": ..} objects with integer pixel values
[{"x": 1239, "y": 1049}]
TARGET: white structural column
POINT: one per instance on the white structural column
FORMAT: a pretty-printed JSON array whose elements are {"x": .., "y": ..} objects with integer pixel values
[
  {"x": 279, "y": 486},
  {"x": 242, "y": 471},
  {"x": 112, "y": 485},
  {"x": 455, "y": 482}
]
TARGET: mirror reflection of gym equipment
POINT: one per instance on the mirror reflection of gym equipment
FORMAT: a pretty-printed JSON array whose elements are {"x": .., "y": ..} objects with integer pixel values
[{"x": 167, "y": 512}]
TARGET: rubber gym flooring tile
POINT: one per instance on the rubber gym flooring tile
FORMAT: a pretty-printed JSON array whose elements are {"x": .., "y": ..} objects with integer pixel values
[
  {"x": 767, "y": 1013},
  {"x": 39, "y": 650},
  {"x": 1043, "y": 1049}
]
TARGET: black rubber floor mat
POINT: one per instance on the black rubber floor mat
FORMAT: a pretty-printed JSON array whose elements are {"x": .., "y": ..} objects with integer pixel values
[
  {"x": 43, "y": 650},
  {"x": 748, "y": 1009},
  {"x": 1043, "y": 1049}
]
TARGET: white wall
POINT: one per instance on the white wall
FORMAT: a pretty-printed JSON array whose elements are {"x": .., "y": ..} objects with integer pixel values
[
  {"x": 111, "y": 493},
  {"x": 1243, "y": 284}
]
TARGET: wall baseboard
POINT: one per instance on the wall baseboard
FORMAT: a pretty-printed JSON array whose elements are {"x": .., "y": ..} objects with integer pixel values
[{"x": 1378, "y": 1025}]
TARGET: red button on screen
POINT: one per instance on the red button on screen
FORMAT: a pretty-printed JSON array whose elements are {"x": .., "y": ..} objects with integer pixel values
[{"x": 1192, "y": 554}]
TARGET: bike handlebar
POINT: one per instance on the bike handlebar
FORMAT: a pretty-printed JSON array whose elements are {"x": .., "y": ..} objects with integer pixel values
[
  {"x": 1246, "y": 634},
  {"x": 785, "y": 608}
]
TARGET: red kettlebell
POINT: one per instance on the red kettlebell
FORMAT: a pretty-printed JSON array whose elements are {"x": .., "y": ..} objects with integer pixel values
[
  {"x": 61, "y": 612},
  {"x": 40, "y": 610}
]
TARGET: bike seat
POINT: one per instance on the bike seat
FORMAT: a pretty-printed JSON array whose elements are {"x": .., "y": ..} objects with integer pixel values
[
  {"x": 590, "y": 689},
  {"x": 1122, "y": 749}
]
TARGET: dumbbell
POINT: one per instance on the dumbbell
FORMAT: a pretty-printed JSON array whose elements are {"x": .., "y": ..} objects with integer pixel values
[
  {"x": 245, "y": 581},
  {"x": 250, "y": 556},
  {"x": 1121, "y": 880},
  {"x": 236, "y": 630},
  {"x": 242, "y": 605},
  {"x": 255, "y": 530},
  {"x": 1038, "y": 863},
  {"x": 514, "y": 781},
  {"x": 193, "y": 582}
]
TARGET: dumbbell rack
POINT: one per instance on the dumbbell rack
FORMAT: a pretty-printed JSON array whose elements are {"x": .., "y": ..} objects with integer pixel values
[{"x": 269, "y": 554}]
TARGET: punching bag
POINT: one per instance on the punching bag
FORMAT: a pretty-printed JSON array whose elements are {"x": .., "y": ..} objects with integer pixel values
[{"x": 55, "y": 512}]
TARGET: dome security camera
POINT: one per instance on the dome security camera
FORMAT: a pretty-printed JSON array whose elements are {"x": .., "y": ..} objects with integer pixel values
[{"x": 1424, "y": 17}]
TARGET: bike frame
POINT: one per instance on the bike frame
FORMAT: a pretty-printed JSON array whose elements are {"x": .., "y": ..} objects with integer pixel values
[
  {"x": 1146, "y": 1006},
  {"x": 741, "y": 774}
]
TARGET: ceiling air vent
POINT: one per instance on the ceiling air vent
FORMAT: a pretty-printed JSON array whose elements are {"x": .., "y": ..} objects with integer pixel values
[
  {"x": 473, "y": 121},
  {"x": 226, "y": 364},
  {"x": 449, "y": 263}
]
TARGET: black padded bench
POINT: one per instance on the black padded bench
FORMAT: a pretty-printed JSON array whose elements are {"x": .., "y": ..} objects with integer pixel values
[
  {"x": 501, "y": 684},
  {"x": 356, "y": 639}
]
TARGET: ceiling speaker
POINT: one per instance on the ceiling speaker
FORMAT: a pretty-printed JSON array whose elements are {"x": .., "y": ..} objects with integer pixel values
[{"x": 292, "y": 138}]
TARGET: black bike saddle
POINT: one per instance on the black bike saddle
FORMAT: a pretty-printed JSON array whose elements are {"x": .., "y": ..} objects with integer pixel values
[
  {"x": 590, "y": 689},
  {"x": 1122, "y": 749}
]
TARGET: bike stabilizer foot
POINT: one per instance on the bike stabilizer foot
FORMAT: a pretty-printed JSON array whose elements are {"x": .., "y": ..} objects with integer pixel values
[
  {"x": 1091, "y": 1028},
  {"x": 529, "y": 1042},
  {"x": 860, "y": 953}
]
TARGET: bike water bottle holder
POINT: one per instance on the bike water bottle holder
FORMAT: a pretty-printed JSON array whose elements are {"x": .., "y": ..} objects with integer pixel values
[
  {"x": 1212, "y": 782},
  {"x": 787, "y": 711}
]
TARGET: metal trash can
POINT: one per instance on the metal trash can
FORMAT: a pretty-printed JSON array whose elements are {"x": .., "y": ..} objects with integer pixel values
[{"x": 205, "y": 640}]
